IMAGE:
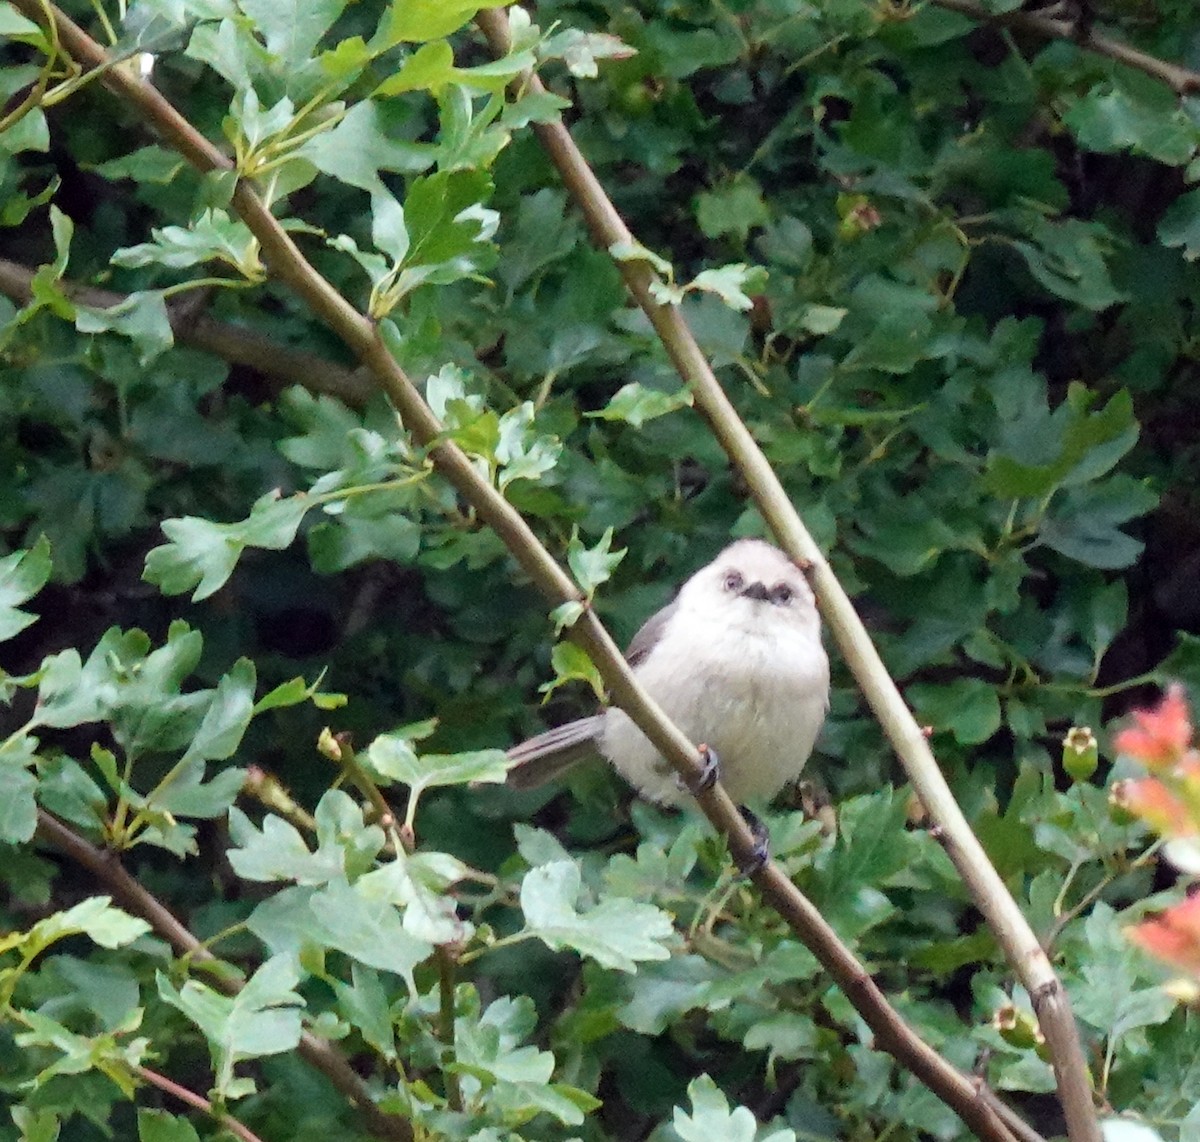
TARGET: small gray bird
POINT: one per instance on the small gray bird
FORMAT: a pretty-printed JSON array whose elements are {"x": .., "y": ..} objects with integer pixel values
[{"x": 735, "y": 661}]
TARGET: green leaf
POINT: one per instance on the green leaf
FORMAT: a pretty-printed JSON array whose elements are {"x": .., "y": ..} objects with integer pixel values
[
  {"x": 294, "y": 692},
  {"x": 14, "y": 26},
  {"x": 159, "y": 1126},
  {"x": 428, "y": 68},
  {"x": 616, "y": 933},
  {"x": 871, "y": 849},
  {"x": 635, "y": 404},
  {"x": 213, "y": 237},
  {"x": 1084, "y": 524},
  {"x": 417, "y": 885},
  {"x": 567, "y": 615},
  {"x": 392, "y": 756},
  {"x": 418, "y": 20},
  {"x": 491, "y": 1053},
  {"x": 18, "y": 809},
  {"x": 593, "y": 566},
  {"x": 334, "y": 545},
  {"x": 1068, "y": 258},
  {"x": 142, "y": 317},
  {"x": 636, "y": 252},
  {"x": 152, "y": 164},
  {"x": 346, "y": 846},
  {"x": 94, "y": 917},
  {"x": 260, "y": 1020},
  {"x": 293, "y": 28},
  {"x": 361, "y": 145},
  {"x": 969, "y": 708},
  {"x": 822, "y": 319},
  {"x": 1180, "y": 225},
  {"x": 572, "y": 664},
  {"x": 368, "y": 929},
  {"x": 203, "y": 554},
  {"x": 22, "y": 575},
  {"x": 1117, "y": 119},
  {"x": 227, "y": 717},
  {"x": 711, "y": 1118},
  {"x": 1106, "y": 994},
  {"x": 1041, "y": 450},
  {"x": 580, "y": 50},
  {"x": 444, "y": 215},
  {"x": 732, "y": 284},
  {"x": 736, "y": 208}
]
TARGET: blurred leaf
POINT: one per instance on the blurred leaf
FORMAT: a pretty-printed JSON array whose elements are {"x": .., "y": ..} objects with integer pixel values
[
  {"x": 635, "y": 404},
  {"x": 736, "y": 208},
  {"x": 711, "y": 1118},
  {"x": 1180, "y": 225},
  {"x": 292, "y": 28},
  {"x": 1115, "y": 119},
  {"x": 616, "y": 933},
  {"x": 262, "y": 1019},
  {"x": 22, "y": 575},
  {"x": 969, "y": 708},
  {"x": 203, "y": 554},
  {"x": 593, "y": 566}
]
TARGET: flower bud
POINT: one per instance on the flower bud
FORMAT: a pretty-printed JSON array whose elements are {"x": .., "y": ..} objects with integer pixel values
[
  {"x": 1081, "y": 754},
  {"x": 1017, "y": 1028}
]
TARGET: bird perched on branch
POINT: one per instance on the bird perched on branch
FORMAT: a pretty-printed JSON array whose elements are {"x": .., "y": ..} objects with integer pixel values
[{"x": 735, "y": 661}]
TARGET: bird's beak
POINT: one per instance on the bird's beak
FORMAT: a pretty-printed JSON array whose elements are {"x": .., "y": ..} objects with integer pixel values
[{"x": 756, "y": 591}]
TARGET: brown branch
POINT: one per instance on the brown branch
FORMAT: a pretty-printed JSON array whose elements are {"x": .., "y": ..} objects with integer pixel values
[
  {"x": 1004, "y": 916},
  {"x": 287, "y": 263},
  {"x": 191, "y": 1098},
  {"x": 239, "y": 346},
  {"x": 127, "y": 892},
  {"x": 1182, "y": 80}
]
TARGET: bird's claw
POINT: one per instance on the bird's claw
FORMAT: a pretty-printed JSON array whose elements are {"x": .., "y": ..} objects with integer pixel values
[
  {"x": 761, "y": 853},
  {"x": 710, "y": 771}
]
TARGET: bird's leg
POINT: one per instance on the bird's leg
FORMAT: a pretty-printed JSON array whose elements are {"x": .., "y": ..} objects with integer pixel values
[
  {"x": 710, "y": 772},
  {"x": 761, "y": 852}
]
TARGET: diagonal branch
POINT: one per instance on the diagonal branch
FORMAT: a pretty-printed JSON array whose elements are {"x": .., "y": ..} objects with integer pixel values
[
  {"x": 1182, "y": 80},
  {"x": 192, "y": 1099},
  {"x": 232, "y": 343},
  {"x": 1004, "y": 916},
  {"x": 984, "y": 1116},
  {"x": 107, "y": 869}
]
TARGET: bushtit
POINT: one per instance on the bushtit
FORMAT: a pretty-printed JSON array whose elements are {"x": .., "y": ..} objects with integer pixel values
[{"x": 735, "y": 661}]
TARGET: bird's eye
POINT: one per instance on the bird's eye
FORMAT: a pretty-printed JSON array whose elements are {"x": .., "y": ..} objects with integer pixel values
[
  {"x": 733, "y": 581},
  {"x": 782, "y": 594}
]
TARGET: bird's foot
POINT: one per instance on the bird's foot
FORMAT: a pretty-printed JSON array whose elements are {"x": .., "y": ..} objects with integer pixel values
[
  {"x": 761, "y": 853},
  {"x": 710, "y": 771}
]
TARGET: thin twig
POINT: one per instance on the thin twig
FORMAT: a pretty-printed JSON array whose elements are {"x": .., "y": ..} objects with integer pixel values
[
  {"x": 339, "y": 749},
  {"x": 233, "y": 343},
  {"x": 285, "y": 260},
  {"x": 105, "y": 867},
  {"x": 1182, "y": 80},
  {"x": 1004, "y": 916},
  {"x": 191, "y": 1098}
]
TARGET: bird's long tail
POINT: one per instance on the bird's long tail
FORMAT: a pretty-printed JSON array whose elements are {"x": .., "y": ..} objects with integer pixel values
[{"x": 544, "y": 757}]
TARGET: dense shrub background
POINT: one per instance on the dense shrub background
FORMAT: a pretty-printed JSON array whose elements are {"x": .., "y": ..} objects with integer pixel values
[{"x": 971, "y": 356}]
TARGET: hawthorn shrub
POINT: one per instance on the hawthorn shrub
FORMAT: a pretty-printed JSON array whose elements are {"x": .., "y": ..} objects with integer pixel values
[{"x": 262, "y": 658}]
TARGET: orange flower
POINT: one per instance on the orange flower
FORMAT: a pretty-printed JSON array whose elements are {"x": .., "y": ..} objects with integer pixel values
[
  {"x": 1173, "y": 935},
  {"x": 1149, "y": 799},
  {"x": 1160, "y": 735}
]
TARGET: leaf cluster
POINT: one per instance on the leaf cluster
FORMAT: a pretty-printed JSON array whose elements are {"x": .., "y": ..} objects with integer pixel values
[{"x": 947, "y": 277}]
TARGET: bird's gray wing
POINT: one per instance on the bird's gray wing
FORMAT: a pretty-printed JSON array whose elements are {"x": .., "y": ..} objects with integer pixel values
[
  {"x": 648, "y": 635},
  {"x": 543, "y": 758}
]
